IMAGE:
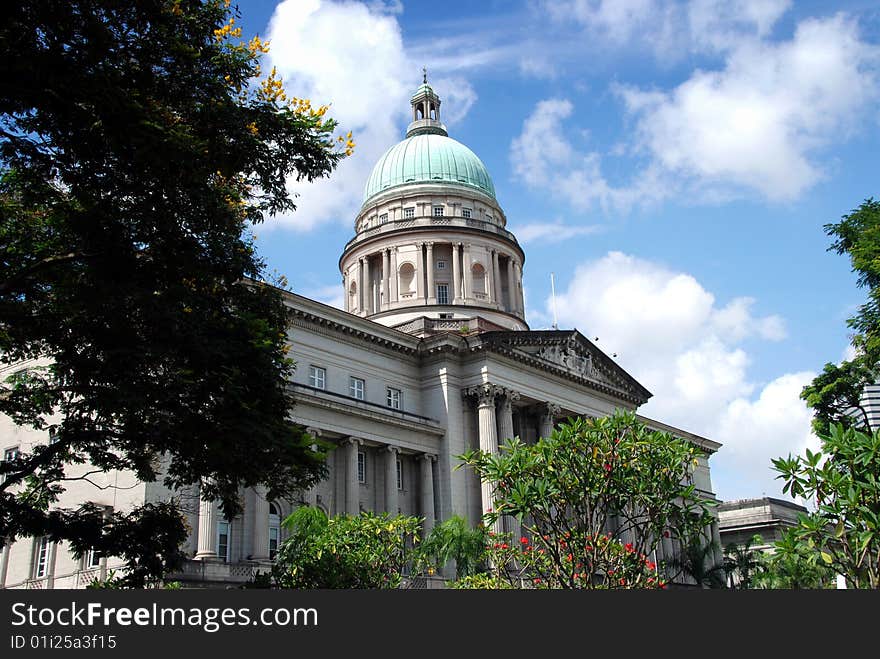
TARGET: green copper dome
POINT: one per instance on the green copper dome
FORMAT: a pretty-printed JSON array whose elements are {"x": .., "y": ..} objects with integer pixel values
[{"x": 428, "y": 158}]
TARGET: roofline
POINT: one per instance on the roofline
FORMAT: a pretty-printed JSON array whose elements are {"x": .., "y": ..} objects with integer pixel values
[{"x": 709, "y": 445}]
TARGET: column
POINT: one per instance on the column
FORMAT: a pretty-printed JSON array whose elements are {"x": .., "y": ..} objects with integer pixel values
[
  {"x": 547, "y": 418},
  {"x": 207, "y": 549},
  {"x": 345, "y": 291},
  {"x": 386, "y": 266},
  {"x": 511, "y": 287},
  {"x": 4, "y": 562},
  {"x": 359, "y": 281},
  {"x": 429, "y": 265},
  {"x": 260, "y": 551},
  {"x": 395, "y": 295},
  {"x": 352, "y": 486},
  {"x": 427, "y": 462},
  {"x": 420, "y": 273},
  {"x": 456, "y": 275},
  {"x": 496, "y": 278},
  {"x": 50, "y": 567},
  {"x": 505, "y": 415},
  {"x": 520, "y": 302},
  {"x": 466, "y": 267},
  {"x": 392, "y": 505},
  {"x": 310, "y": 496},
  {"x": 486, "y": 394},
  {"x": 368, "y": 287}
]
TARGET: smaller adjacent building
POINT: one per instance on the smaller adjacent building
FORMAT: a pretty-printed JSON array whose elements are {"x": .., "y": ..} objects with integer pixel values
[{"x": 740, "y": 520}]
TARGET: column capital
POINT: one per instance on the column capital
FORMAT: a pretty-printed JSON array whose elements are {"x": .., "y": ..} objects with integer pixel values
[
  {"x": 484, "y": 393},
  {"x": 428, "y": 456},
  {"x": 352, "y": 441},
  {"x": 393, "y": 449},
  {"x": 549, "y": 409},
  {"x": 314, "y": 432}
]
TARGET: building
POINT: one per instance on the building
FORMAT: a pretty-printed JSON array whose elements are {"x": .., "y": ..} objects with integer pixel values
[
  {"x": 431, "y": 356},
  {"x": 741, "y": 520}
]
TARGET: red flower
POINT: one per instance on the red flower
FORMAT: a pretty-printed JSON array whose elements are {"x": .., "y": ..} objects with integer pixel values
[
  {"x": 650, "y": 565},
  {"x": 537, "y": 580},
  {"x": 488, "y": 510},
  {"x": 607, "y": 467},
  {"x": 629, "y": 547},
  {"x": 663, "y": 586},
  {"x": 665, "y": 534},
  {"x": 524, "y": 540},
  {"x": 622, "y": 582},
  {"x": 504, "y": 545},
  {"x": 570, "y": 558},
  {"x": 610, "y": 573}
]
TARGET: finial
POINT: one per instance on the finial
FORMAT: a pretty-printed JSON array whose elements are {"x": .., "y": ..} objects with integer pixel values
[{"x": 424, "y": 75}]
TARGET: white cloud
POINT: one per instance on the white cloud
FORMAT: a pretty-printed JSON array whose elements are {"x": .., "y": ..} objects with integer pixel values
[
  {"x": 672, "y": 335},
  {"x": 334, "y": 295},
  {"x": 551, "y": 232}
]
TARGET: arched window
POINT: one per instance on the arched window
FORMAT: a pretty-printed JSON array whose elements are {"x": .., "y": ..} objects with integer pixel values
[
  {"x": 478, "y": 279},
  {"x": 407, "y": 278},
  {"x": 433, "y": 112},
  {"x": 274, "y": 529}
]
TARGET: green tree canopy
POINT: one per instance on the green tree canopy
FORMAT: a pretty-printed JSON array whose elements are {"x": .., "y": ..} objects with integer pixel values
[{"x": 138, "y": 142}]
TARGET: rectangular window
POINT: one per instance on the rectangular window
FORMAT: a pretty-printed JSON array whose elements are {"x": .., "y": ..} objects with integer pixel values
[
  {"x": 273, "y": 541},
  {"x": 442, "y": 293},
  {"x": 393, "y": 398},
  {"x": 409, "y": 213},
  {"x": 356, "y": 388},
  {"x": 383, "y": 218},
  {"x": 9, "y": 455},
  {"x": 362, "y": 467},
  {"x": 441, "y": 265},
  {"x": 223, "y": 540},
  {"x": 399, "y": 474},
  {"x": 92, "y": 559},
  {"x": 466, "y": 212},
  {"x": 317, "y": 377},
  {"x": 438, "y": 211},
  {"x": 41, "y": 557}
]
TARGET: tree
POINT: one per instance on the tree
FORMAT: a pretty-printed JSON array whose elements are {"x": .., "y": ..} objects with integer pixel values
[
  {"x": 454, "y": 540},
  {"x": 743, "y": 563},
  {"x": 138, "y": 141},
  {"x": 792, "y": 566},
  {"x": 843, "y": 478},
  {"x": 836, "y": 394},
  {"x": 595, "y": 500},
  {"x": 697, "y": 561},
  {"x": 364, "y": 551}
]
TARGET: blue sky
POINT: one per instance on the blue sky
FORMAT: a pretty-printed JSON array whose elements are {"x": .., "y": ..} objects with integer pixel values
[{"x": 671, "y": 162}]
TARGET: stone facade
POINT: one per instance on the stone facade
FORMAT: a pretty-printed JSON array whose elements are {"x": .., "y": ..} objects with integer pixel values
[{"x": 740, "y": 520}]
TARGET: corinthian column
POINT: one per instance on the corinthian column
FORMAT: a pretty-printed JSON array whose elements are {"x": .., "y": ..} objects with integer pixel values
[
  {"x": 207, "y": 549},
  {"x": 456, "y": 275},
  {"x": 517, "y": 283},
  {"x": 427, "y": 462},
  {"x": 352, "y": 485},
  {"x": 486, "y": 394},
  {"x": 466, "y": 267},
  {"x": 505, "y": 415},
  {"x": 511, "y": 286},
  {"x": 429, "y": 265},
  {"x": 386, "y": 266},
  {"x": 368, "y": 287},
  {"x": 496, "y": 281},
  {"x": 261, "y": 525},
  {"x": 548, "y": 418},
  {"x": 394, "y": 294}
]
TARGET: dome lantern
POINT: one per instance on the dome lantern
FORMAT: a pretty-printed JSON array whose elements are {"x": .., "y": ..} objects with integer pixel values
[{"x": 426, "y": 111}]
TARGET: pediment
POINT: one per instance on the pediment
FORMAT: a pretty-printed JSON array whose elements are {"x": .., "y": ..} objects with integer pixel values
[{"x": 572, "y": 354}]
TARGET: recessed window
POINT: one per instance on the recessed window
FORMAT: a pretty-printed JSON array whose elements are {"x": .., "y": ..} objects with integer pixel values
[
  {"x": 441, "y": 265},
  {"x": 442, "y": 293},
  {"x": 399, "y": 474},
  {"x": 466, "y": 212},
  {"x": 446, "y": 316},
  {"x": 41, "y": 557},
  {"x": 438, "y": 211},
  {"x": 223, "y": 539},
  {"x": 274, "y": 529},
  {"x": 92, "y": 559},
  {"x": 9, "y": 455},
  {"x": 383, "y": 218},
  {"x": 362, "y": 467},
  {"x": 409, "y": 213},
  {"x": 356, "y": 388},
  {"x": 393, "y": 398},
  {"x": 317, "y": 377}
]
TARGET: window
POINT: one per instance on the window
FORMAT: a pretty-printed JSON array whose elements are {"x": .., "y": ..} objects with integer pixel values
[
  {"x": 441, "y": 265},
  {"x": 478, "y": 277},
  {"x": 438, "y": 211},
  {"x": 442, "y": 293},
  {"x": 399, "y": 474},
  {"x": 41, "y": 557},
  {"x": 394, "y": 398},
  {"x": 466, "y": 213},
  {"x": 362, "y": 467},
  {"x": 91, "y": 559},
  {"x": 223, "y": 539},
  {"x": 409, "y": 213},
  {"x": 274, "y": 530},
  {"x": 9, "y": 455},
  {"x": 383, "y": 218},
  {"x": 317, "y": 377},
  {"x": 356, "y": 388},
  {"x": 446, "y": 316}
]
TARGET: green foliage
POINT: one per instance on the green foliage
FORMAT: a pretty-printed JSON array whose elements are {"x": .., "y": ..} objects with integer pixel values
[
  {"x": 792, "y": 566},
  {"x": 697, "y": 560},
  {"x": 454, "y": 540},
  {"x": 596, "y": 499},
  {"x": 366, "y": 551},
  {"x": 136, "y": 148},
  {"x": 743, "y": 563},
  {"x": 835, "y": 395},
  {"x": 843, "y": 478}
]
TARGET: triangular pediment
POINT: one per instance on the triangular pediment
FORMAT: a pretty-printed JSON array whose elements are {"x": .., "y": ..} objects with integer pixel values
[{"x": 572, "y": 354}]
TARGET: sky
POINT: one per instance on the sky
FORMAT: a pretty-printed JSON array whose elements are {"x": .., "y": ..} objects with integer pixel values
[{"x": 671, "y": 163}]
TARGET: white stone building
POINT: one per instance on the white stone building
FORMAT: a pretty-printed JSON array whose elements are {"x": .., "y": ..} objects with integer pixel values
[{"x": 431, "y": 357}]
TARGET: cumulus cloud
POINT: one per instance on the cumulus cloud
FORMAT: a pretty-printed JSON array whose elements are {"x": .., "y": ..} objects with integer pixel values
[
  {"x": 333, "y": 295},
  {"x": 757, "y": 125},
  {"x": 688, "y": 349},
  {"x": 552, "y": 232}
]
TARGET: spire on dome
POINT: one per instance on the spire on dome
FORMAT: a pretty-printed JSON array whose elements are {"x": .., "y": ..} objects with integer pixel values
[{"x": 426, "y": 110}]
